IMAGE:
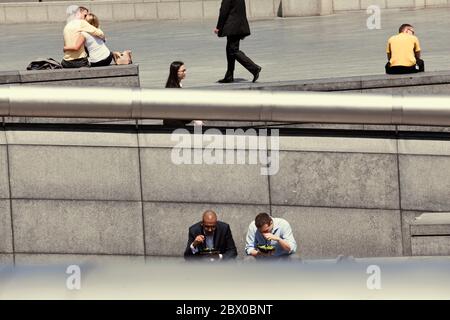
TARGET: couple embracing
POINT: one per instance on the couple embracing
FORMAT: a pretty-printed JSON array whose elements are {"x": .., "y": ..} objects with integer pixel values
[{"x": 82, "y": 33}]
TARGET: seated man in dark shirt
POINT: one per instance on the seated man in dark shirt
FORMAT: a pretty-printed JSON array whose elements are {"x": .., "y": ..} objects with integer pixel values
[{"x": 210, "y": 238}]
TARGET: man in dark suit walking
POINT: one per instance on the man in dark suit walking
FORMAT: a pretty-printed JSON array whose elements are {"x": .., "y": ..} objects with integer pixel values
[
  {"x": 210, "y": 235},
  {"x": 233, "y": 24}
]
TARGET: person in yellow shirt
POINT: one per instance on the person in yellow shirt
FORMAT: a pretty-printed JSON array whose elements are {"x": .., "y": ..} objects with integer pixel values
[
  {"x": 72, "y": 30},
  {"x": 403, "y": 52}
]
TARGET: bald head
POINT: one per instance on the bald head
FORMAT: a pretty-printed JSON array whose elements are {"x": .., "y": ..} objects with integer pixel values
[
  {"x": 209, "y": 221},
  {"x": 209, "y": 215}
]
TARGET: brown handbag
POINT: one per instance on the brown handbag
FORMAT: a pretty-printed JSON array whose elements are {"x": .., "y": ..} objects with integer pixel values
[{"x": 122, "y": 57}]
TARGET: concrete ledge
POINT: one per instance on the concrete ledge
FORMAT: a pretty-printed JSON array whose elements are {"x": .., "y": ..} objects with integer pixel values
[
  {"x": 434, "y": 223},
  {"x": 430, "y": 234},
  {"x": 437, "y": 82},
  {"x": 38, "y": 259},
  {"x": 111, "y": 76},
  {"x": 76, "y": 138}
]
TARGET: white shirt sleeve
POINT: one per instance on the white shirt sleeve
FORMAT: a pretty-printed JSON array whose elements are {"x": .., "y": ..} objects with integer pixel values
[
  {"x": 193, "y": 249},
  {"x": 250, "y": 239},
  {"x": 288, "y": 236}
]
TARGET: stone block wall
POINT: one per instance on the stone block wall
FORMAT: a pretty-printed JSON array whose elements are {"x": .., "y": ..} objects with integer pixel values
[{"x": 119, "y": 193}]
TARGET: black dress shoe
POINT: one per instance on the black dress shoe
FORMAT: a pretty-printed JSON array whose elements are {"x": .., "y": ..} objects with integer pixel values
[
  {"x": 226, "y": 80},
  {"x": 256, "y": 74}
]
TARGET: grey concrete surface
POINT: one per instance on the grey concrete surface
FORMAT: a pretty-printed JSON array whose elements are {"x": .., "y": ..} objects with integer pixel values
[
  {"x": 424, "y": 129},
  {"x": 6, "y": 260},
  {"x": 336, "y": 180},
  {"x": 430, "y": 229},
  {"x": 167, "y": 224},
  {"x": 73, "y": 138},
  {"x": 9, "y": 77},
  {"x": 51, "y": 172},
  {"x": 65, "y": 260},
  {"x": 162, "y": 180},
  {"x": 431, "y": 224},
  {"x": 287, "y": 49},
  {"x": 6, "y": 240},
  {"x": 338, "y": 144},
  {"x": 116, "y": 76},
  {"x": 425, "y": 183},
  {"x": 4, "y": 185},
  {"x": 82, "y": 227},
  {"x": 345, "y": 188},
  {"x": 436, "y": 82},
  {"x": 238, "y": 139},
  {"x": 328, "y": 232},
  {"x": 407, "y": 219},
  {"x": 424, "y": 147},
  {"x": 2, "y": 137},
  {"x": 430, "y": 246}
]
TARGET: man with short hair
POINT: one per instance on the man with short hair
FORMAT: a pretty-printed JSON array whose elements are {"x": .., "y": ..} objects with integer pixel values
[
  {"x": 403, "y": 52},
  {"x": 76, "y": 25},
  {"x": 269, "y": 237},
  {"x": 210, "y": 237}
]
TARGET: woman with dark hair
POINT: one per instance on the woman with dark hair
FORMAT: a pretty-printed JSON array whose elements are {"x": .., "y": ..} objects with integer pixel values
[{"x": 177, "y": 73}]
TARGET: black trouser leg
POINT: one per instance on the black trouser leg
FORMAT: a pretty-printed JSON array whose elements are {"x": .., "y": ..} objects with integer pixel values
[
  {"x": 232, "y": 49},
  {"x": 401, "y": 69},
  {"x": 246, "y": 62},
  {"x": 421, "y": 64},
  {"x": 233, "y": 54}
]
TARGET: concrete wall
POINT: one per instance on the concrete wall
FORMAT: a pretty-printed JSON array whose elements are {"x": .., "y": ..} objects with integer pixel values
[
  {"x": 94, "y": 192},
  {"x": 123, "y": 10},
  {"x": 352, "y": 5},
  {"x": 112, "y": 76}
]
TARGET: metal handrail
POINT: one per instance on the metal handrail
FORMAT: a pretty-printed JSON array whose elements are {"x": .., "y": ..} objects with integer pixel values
[{"x": 307, "y": 107}]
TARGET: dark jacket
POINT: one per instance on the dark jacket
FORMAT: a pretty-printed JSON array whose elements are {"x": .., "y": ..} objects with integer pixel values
[
  {"x": 223, "y": 240},
  {"x": 233, "y": 19}
]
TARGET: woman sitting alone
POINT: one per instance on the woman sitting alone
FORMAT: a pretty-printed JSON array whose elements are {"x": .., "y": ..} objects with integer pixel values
[{"x": 99, "y": 54}]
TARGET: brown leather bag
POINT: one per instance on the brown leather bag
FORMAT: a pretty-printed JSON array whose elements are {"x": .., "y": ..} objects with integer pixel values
[{"x": 122, "y": 57}]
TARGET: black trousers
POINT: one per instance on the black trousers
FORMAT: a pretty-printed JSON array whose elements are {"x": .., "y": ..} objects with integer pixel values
[
  {"x": 233, "y": 54},
  {"x": 77, "y": 63},
  {"x": 419, "y": 67},
  {"x": 103, "y": 63}
]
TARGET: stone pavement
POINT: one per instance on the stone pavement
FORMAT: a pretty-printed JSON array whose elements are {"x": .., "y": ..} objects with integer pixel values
[{"x": 287, "y": 49}]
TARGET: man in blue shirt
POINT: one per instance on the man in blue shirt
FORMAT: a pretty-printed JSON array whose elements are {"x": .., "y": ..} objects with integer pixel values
[{"x": 266, "y": 232}]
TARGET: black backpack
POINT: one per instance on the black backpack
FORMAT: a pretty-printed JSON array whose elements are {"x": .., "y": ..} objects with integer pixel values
[{"x": 44, "y": 64}]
